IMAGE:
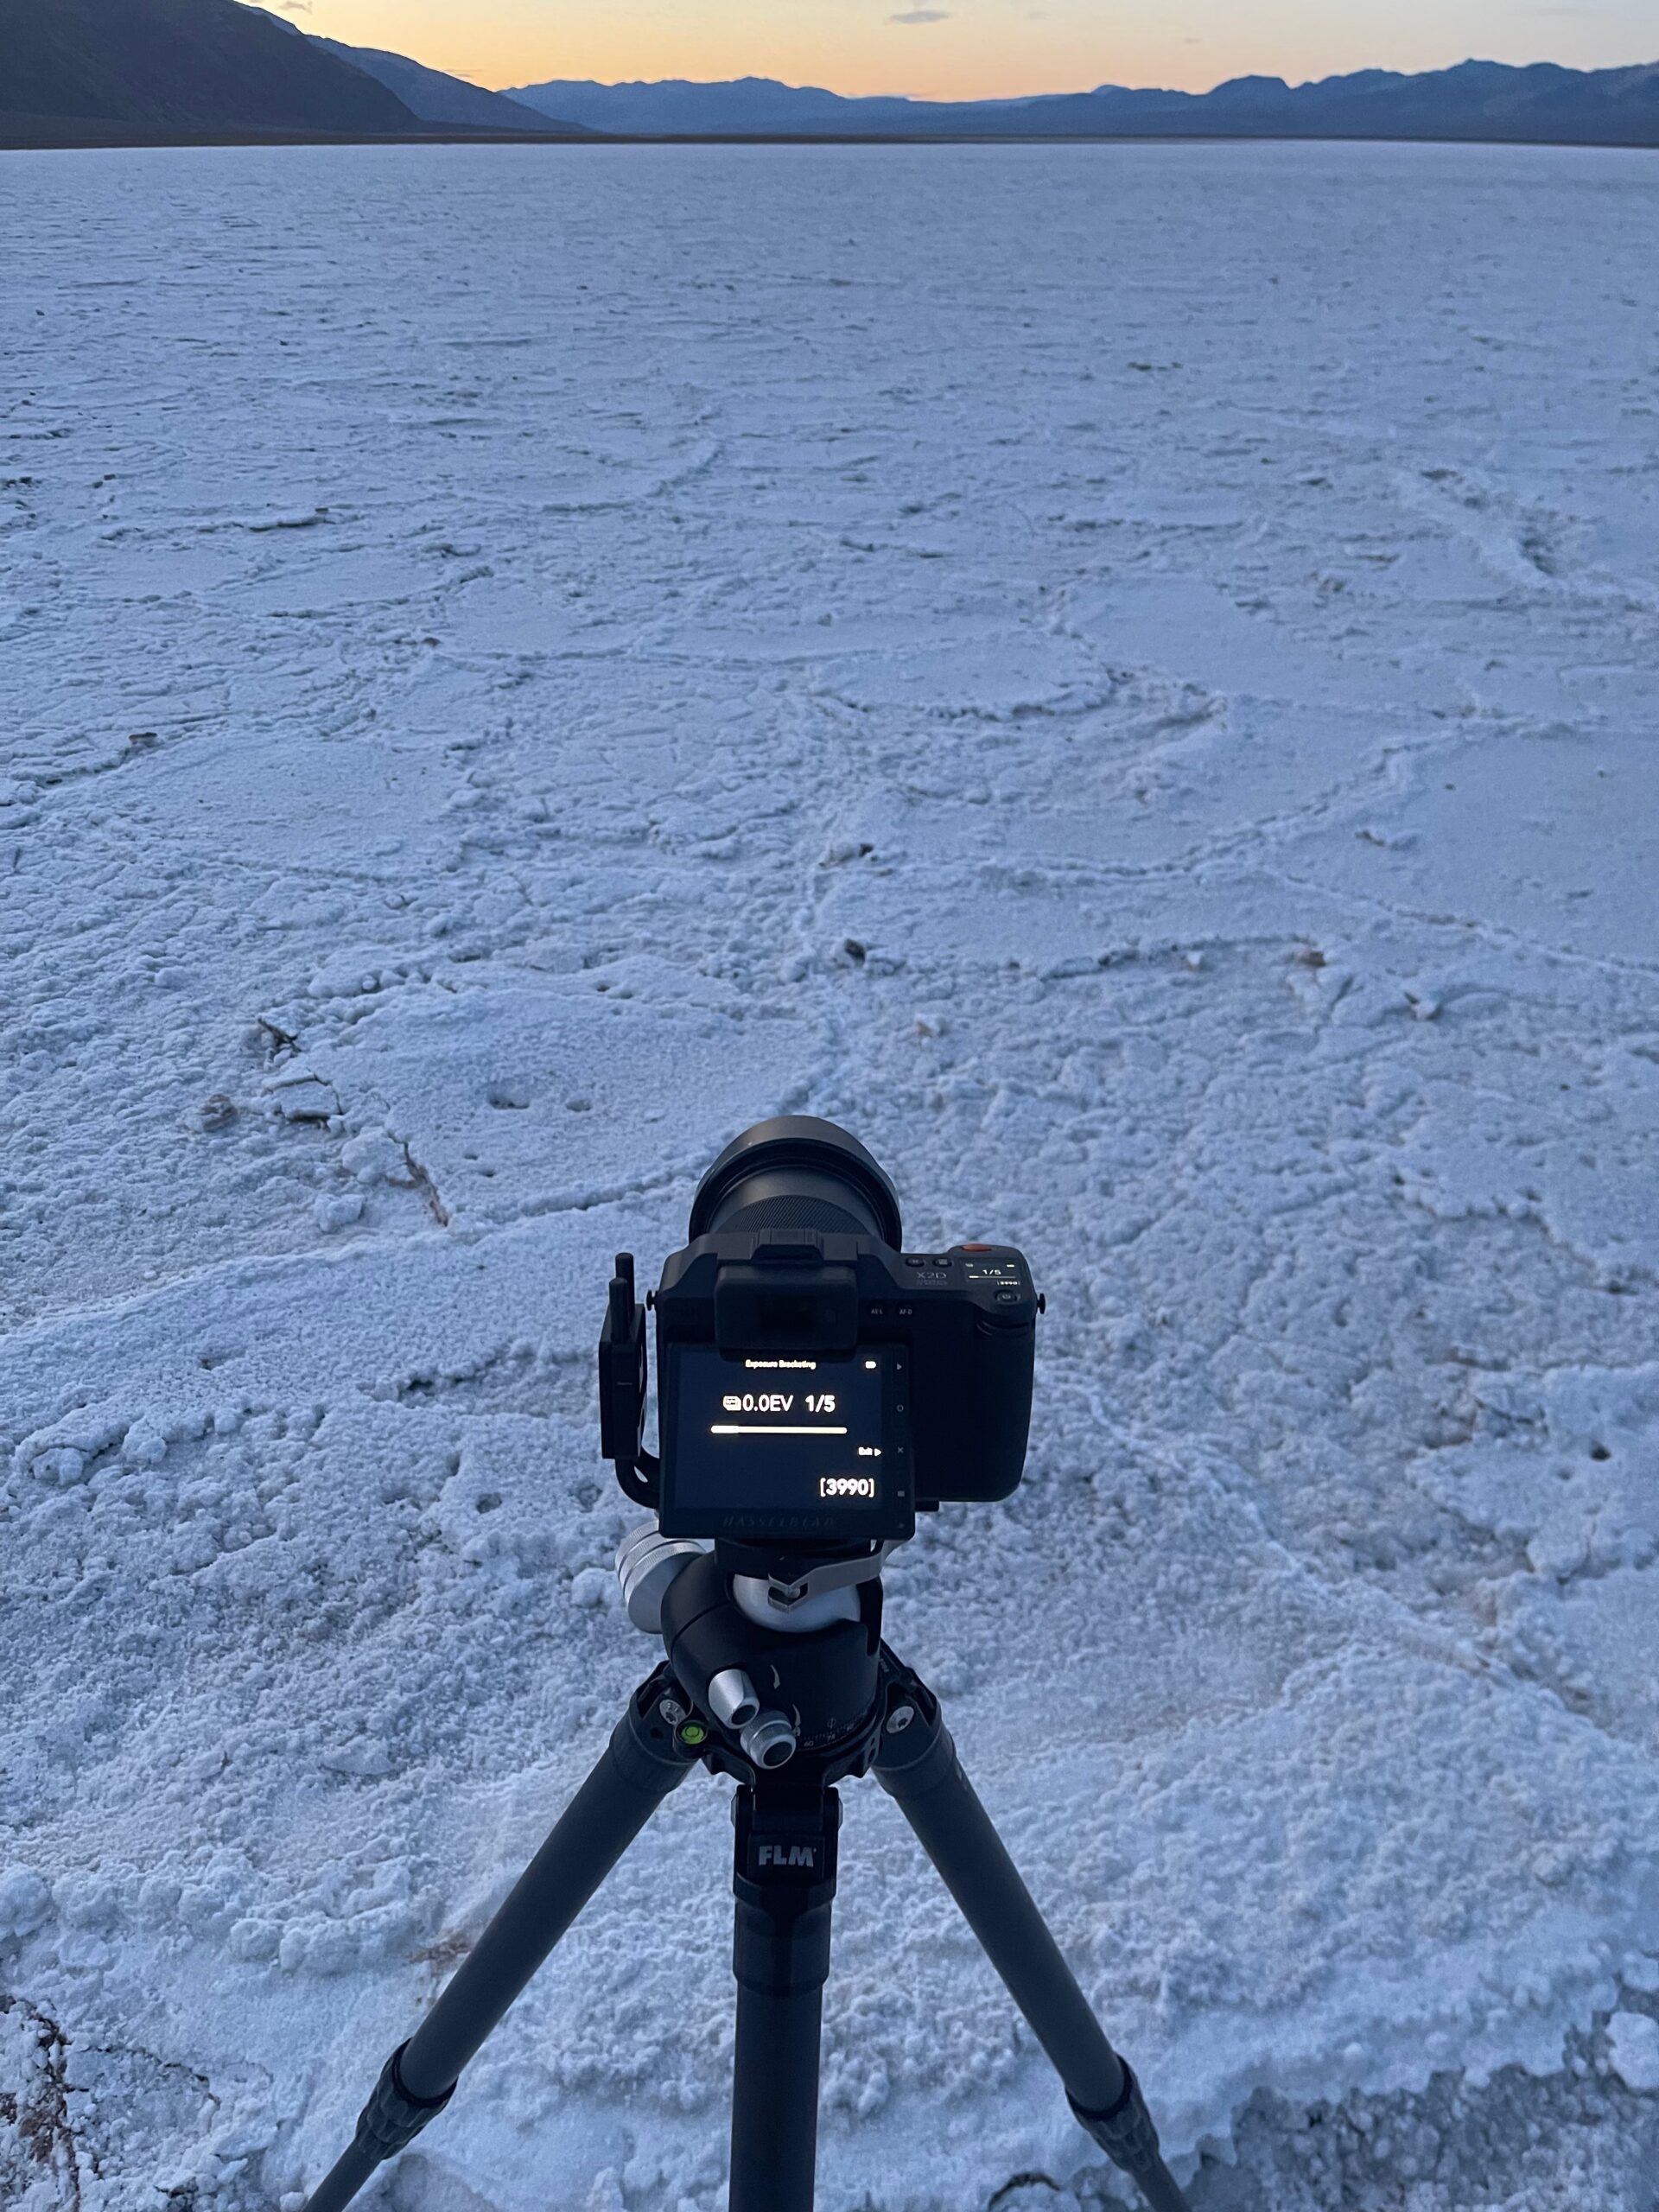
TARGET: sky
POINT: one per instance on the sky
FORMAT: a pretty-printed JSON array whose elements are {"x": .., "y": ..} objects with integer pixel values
[{"x": 972, "y": 49}]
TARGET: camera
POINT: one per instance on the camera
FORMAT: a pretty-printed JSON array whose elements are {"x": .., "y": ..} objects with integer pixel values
[{"x": 816, "y": 1383}]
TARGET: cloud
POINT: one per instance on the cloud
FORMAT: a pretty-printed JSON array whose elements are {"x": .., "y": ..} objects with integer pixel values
[
  {"x": 294, "y": 7},
  {"x": 922, "y": 16}
]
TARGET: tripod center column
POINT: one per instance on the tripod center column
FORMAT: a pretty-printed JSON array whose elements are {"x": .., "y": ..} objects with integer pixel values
[{"x": 784, "y": 1880}]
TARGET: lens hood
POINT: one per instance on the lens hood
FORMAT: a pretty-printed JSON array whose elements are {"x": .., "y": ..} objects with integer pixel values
[{"x": 797, "y": 1172}]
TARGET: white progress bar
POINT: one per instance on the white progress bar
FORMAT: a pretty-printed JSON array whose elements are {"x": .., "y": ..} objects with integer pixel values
[{"x": 736, "y": 1428}]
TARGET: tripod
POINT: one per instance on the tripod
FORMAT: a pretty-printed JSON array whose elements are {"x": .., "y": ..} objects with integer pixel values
[{"x": 836, "y": 1703}]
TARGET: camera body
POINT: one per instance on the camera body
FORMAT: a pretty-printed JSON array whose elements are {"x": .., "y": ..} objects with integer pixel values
[{"x": 817, "y": 1386}]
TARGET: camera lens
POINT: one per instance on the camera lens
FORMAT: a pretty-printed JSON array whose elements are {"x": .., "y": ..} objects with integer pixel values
[{"x": 798, "y": 1172}]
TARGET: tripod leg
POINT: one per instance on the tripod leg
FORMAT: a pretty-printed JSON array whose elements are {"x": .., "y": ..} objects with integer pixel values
[
  {"x": 916, "y": 1763},
  {"x": 641, "y": 1764},
  {"x": 785, "y": 1879}
]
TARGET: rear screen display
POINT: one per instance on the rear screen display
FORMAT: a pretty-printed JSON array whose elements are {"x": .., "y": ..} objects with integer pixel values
[{"x": 772, "y": 1443}]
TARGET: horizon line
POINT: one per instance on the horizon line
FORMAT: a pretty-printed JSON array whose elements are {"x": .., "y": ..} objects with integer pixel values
[{"x": 1080, "y": 91}]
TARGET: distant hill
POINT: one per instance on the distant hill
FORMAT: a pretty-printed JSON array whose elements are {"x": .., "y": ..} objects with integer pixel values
[
  {"x": 1476, "y": 100},
  {"x": 747, "y": 104},
  {"x": 435, "y": 97},
  {"x": 179, "y": 66}
]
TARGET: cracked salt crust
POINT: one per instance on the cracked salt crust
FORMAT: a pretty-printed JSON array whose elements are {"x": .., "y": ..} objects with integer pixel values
[{"x": 461, "y": 737}]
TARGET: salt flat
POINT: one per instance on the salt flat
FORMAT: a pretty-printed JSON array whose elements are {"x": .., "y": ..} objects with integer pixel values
[{"x": 1124, "y": 674}]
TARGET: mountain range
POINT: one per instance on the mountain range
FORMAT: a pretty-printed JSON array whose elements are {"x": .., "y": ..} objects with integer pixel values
[
  {"x": 75, "y": 71},
  {"x": 432, "y": 97},
  {"x": 95, "y": 71},
  {"x": 167, "y": 68},
  {"x": 1476, "y": 100}
]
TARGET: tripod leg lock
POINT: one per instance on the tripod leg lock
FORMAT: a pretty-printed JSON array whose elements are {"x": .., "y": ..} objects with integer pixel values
[
  {"x": 1124, "y": 2131},
  {"x": 392, "y": 2118}
]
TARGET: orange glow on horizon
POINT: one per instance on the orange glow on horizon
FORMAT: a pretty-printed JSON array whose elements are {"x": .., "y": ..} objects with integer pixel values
[{"x": 965, "y": 50}]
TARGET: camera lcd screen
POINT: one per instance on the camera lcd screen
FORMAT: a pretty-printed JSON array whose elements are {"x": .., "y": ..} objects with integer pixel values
[{"x": 781, "y": 1445}]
